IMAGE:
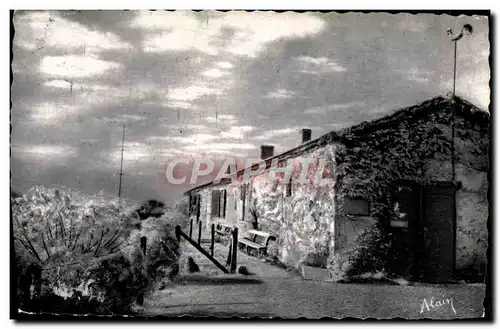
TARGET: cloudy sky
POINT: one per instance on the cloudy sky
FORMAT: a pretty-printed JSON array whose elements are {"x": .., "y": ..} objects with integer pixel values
[{"x": 213, "y": 84}]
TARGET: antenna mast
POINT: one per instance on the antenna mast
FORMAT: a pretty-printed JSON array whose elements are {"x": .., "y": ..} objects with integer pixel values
[{"x": 121, "y": 166}]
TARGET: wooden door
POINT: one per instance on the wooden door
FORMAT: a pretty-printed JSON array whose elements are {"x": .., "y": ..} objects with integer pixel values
[{"x": 438, "y": 233}]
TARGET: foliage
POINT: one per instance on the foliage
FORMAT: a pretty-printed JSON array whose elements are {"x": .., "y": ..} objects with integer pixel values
[
  {"x": 372, "y": 248},
  {"x": 151, "y": 208},
  {"x": 88, "y": 251},
  {"x": 50, "y": 228}
]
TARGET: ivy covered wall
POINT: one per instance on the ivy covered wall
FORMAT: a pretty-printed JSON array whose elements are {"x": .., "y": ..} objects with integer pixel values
[{"x": 413, "y": 144}]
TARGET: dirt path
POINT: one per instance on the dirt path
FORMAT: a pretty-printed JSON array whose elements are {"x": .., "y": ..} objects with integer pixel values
[
  {"x": 275, "y": 292},
  {"x": 292, "y": 298}
]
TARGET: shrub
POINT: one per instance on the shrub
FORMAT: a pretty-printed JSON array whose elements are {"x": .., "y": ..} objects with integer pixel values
[
  {"x": 370, "y": 254},
  {"x": 86, "y": 252}
]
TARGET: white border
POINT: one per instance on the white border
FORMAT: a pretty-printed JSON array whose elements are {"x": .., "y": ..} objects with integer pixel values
[{"x": 187, "y": 4}]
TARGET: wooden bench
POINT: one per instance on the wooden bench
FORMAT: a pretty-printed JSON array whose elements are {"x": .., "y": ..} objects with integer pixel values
[{"x": 257, "y": 240}]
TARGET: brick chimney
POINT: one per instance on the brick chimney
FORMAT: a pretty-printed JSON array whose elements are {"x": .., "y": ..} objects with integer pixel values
[
  {"x": 266, "y": 151},
  {"x": 306, "y": 135}
]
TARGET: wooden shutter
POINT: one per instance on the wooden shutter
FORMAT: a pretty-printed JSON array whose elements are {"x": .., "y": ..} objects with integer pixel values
[
  {"x": 198, "y": 206},
  {"x": 356, "y": 207},
  {"x": 224, "y": 203},
  {"x": 215, "y": 203}
]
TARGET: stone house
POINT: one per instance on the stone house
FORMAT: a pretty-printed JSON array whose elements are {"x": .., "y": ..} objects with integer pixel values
[{"x": 397, "y": 194}]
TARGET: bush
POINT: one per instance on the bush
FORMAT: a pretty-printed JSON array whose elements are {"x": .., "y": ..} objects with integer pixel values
[{"x": 370, "y": 254}]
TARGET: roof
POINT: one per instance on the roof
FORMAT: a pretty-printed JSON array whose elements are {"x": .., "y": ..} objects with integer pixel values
[{"x": 463, "y": 108}]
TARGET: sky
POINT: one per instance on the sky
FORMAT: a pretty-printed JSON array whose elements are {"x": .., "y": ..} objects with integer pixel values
[{"x": 214, "y": 84}]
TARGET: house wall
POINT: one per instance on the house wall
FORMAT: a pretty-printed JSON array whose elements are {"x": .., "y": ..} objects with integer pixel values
[
  {"x": 471, "y": 144},
  {"x": 471, "y": 151},
  {"x": 304, "y": 222}
]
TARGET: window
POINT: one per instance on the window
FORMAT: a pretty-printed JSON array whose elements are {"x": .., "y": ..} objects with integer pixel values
[
  {"x": 194, "y": 203},
  {"x": 356, "y": 207}
]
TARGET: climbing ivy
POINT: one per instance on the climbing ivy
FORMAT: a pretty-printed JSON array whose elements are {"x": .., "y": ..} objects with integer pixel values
[{"x": 381, "y": 154}]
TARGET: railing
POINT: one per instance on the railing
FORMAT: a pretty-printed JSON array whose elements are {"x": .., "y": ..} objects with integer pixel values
[{"x": 233, "y": 248}]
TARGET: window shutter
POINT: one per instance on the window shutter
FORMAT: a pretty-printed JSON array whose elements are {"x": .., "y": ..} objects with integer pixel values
[
  {"x": 215, "y": 203},
  {"x": 224, "y": 203},
  {"x": 356, "y": 207}
]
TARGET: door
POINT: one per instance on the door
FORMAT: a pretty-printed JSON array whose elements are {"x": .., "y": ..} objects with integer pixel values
[
  {"x": 404, "y": 228},
  {"x": 438, "y": 233}
]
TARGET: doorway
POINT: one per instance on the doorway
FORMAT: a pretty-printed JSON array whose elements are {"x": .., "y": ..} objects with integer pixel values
[
  {"x": 438, "y": 233},
  {"x": 426, "y": 230}
]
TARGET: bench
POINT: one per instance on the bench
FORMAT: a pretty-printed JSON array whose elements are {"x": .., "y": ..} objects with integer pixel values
[
  {"x": 257, "y": 240},
  {"x": 223, "y": 229}
]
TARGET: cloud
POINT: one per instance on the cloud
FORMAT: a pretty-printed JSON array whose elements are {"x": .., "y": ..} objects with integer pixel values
[
  {"x": 50, "y": 153},
  {"x": 416, "y": 74},
  {"x": 195, "y": 138},
  {"x": 316, "y": 65},
  {"x": 214, "y": 73},
  {"x": 181, "y": 105},
  {"x": 182, "y": 31},
  {"x": 224, "y": 65},
  {"x": 267, "y": 135},
  {"x": 223, "y": 118},
  {"x": 236, "y": 132},
  {"x": 413, "y": 24},
  {"x": 220, "y": 147},
  {"x": 72, "y": 66},
  {"x": 191, "y": 93},
  {"x": 47, "y": 29},
  {"x": 123, "y": 118},
  {"x": 50, "y": 113},
  {"x": 333, "y": 108}
]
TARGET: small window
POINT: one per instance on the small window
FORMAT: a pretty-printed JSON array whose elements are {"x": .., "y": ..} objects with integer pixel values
[{"x": 356, "y": 207}]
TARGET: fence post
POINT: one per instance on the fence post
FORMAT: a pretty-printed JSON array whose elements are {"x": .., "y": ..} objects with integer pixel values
[
  {"x": 212, "y": 240},
  {"x": 143, "y": 244},
  {"x": 229, "y": 253},
  {"x": 235, "y": 250},
  {"x": 178, "y": 233},
  {"x": 191, "y": 229},
  {"x": 199, "y": 232}
]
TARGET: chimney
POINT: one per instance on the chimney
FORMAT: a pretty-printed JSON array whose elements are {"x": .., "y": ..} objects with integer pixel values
[
  {"x": 306, "y": 135},
  {"x": 266, "y": 151}
]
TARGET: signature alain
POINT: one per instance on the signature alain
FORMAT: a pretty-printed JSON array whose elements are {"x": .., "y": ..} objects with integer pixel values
[{"x": 437, "y": 303}]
